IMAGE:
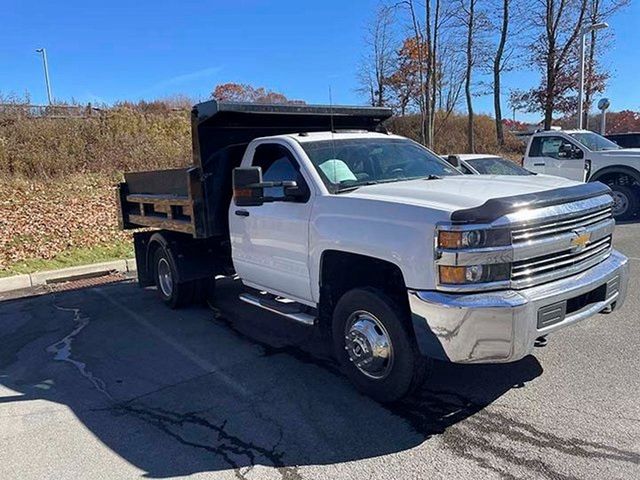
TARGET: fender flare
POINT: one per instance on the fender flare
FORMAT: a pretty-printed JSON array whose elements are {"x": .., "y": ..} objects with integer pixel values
[{"x": 623, "y": 169}]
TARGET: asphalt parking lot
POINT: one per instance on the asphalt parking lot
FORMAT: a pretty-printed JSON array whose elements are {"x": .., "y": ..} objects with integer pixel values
[{"x": 106, "y": 382}]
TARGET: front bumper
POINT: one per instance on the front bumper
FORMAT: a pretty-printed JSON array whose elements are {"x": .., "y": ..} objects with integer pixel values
[{"x": 501, "y": 326}]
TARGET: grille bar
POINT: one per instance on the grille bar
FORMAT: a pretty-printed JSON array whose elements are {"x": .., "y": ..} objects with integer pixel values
[
  {"x": 557, "y": 227},
  {"x": 563, "y": 259}
]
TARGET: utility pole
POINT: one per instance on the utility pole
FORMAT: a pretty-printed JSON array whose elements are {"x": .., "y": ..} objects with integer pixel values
[
  {"x": 583, "y": 33},
  {"x": 43, "y": 51}
]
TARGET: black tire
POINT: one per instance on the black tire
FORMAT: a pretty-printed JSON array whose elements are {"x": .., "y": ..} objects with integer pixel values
[
  {"x": 172, "y": 293},
  {"x": 625, "y": 202},
  {"x": 396, "y": 378},
  {"x": 209, "y": 286}
]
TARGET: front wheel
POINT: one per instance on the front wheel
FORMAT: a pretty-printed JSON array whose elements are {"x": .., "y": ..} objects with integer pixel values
[
  {"x": 625, "y": 202},
  {"x": 374, "y": 347}
]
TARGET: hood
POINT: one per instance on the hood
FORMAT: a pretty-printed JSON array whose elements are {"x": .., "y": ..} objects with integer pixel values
[
  {"x": 623, "y": 152},
  {"x": 459, "y": 191}
]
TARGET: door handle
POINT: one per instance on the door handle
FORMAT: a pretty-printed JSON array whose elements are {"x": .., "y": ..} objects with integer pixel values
[
  {"x": 538, "y": 164},
  {"x": 242, "y": 213}
]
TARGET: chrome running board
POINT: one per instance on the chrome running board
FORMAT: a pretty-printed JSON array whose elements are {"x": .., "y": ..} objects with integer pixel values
[{"x": 256, "y": 301}]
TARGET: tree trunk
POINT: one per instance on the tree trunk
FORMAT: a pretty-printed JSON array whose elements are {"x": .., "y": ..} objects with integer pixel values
[
  {"x": 550, "y": 87},
  {"x": 497, "y": 70},
  {"x": 467, "y": 85},
  {"x": 428, "y": 124},
  {"x": 433, "y": 67}
]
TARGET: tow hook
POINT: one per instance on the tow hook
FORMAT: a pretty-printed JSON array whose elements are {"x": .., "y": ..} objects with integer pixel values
[{"x": 541, "y": 341}]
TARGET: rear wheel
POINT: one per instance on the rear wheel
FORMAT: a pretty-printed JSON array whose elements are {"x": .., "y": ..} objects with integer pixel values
[
  {"x": 625, "y": 202},
  {"x": 374, "y": 347},
  {"x": 171, "y": 292}
]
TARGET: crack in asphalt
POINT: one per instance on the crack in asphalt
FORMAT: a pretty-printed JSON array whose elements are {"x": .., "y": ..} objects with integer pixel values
[
  {"x": 475, "y": 438},
  {"x": 62, "y": 349},
  {"x": 164, "y": 419},
  {"x": 227, "y": 445},
  {"x": 584, "y": 412}
]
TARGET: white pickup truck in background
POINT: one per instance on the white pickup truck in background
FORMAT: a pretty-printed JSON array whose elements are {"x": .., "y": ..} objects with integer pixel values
[
  {"x": 397, "y": 257},
  {"x": 585, "y": 156}
]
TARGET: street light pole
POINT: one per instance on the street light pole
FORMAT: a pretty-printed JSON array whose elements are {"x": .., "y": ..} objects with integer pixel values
[
  {"x": 43, "y": 51},
  {"x": 583, "y": 33}
]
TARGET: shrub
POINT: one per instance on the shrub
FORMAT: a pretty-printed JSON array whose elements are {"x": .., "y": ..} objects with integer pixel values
[
  {"x": 451, "y": 134},
  {"x": 118, "y": 139}
]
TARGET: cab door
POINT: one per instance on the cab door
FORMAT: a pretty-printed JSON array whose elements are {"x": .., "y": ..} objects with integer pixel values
[
  {"x": 562, "y": 158},
  {"x": 270, "y": 242}
]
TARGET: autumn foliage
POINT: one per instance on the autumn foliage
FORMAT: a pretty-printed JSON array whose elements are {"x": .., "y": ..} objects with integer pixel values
[
  {"x": 624, "y": 121},
  {"x": 43, "y": 218},
  {"x": 242, "y": 92}
]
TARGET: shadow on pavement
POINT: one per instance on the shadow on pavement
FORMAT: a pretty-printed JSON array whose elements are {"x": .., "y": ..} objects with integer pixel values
[{"x": 175, "y": 393}]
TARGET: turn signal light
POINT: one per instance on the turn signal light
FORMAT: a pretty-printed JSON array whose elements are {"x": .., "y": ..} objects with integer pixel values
[
  {"x": 449, "y": 239},
  {"x": 470, "y": 274},
  {"x": 453, "y": 275}
]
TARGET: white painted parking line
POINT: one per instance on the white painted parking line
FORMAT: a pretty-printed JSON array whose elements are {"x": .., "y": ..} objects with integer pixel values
[{"x": 203, "y": 363}]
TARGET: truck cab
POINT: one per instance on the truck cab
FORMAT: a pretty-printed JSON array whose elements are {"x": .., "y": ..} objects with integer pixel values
[
  {"x": 585, "y": 156},
  {"x": 330, "y": 221}
]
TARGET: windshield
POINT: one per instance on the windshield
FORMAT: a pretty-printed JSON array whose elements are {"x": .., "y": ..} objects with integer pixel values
[
  {"x": 345, "y": 164},
  {"x": 497, "y": 166},
  {"x": 594, "y": 142}
]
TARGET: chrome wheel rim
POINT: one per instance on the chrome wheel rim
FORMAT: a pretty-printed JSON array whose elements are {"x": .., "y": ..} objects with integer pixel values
[
  {"x": 165, "y": 280},
  {"x": 368, "y": 345},
  {"x": 620, "y": 203}
]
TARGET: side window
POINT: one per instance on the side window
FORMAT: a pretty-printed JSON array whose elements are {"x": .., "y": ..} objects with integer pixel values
[
  {"x": 534, "y": 151},
  {"x": 278, "y": 165},
  {"x": 550, "y": 146}
]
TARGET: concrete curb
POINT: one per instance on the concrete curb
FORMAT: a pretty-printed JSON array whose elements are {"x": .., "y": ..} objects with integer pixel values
[{"x": 18, "y": 282}]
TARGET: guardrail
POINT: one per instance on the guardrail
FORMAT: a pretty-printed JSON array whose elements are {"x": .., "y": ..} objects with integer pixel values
[{"x": 49, "y": 111}]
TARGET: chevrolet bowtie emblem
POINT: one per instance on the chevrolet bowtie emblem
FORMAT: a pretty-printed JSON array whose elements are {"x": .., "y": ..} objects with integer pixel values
[{"x": 580, "y": 240}]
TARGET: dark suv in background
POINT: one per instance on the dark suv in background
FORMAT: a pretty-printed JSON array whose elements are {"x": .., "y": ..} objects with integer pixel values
[{"x": 626, "y": 140}]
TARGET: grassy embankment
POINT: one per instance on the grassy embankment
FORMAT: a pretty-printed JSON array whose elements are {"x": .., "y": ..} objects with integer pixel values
[{"x": 58, "y": 177}]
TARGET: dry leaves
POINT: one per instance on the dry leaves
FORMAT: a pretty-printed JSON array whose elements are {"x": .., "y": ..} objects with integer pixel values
[{"x": 39, "y": 219}]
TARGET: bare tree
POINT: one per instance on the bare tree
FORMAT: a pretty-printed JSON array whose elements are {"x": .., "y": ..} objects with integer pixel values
[
  {"x": 427, "y": 34},
  {"x": 498, "y": 66},
  {"x": 473, "y": 23},
  {"x": 377, "y": 65},
  {"x": 422, "y": 41},
  {"x": 509, "y": 27},
  {"x": 559, "y": 23},
  {"x": 469, "y": 10}
]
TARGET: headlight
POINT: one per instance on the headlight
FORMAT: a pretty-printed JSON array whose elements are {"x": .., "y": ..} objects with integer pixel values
[
  {"x": 456, "y": 239},
  {"x": 470, "y": 274}
]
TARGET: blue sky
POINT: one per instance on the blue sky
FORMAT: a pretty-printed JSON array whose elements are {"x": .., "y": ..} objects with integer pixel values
[{"x": 141, "y": 49}]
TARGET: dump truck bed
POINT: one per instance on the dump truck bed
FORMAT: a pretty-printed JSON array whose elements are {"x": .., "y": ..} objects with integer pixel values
[
  {"x": 195, "y": 199},
  {"x": 166, "y": 199}
]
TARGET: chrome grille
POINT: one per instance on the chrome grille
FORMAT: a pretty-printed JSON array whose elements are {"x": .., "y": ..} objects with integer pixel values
[
  {"x": 564, "y": 225},
  {"x": 557, "y": 264}
]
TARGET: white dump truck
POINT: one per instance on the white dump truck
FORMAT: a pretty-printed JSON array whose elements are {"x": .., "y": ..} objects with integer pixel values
[{"x": 332, "y": 222}]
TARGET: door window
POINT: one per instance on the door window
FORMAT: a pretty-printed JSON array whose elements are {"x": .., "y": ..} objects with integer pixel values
[
  {"x": 278, "y": 165},
  {"x": 550, "y": 146}
]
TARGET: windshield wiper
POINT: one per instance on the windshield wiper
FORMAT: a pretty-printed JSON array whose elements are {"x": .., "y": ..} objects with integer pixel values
[
  {"x": 432, "y": 177},
  {"x": 351, "y": 188}
]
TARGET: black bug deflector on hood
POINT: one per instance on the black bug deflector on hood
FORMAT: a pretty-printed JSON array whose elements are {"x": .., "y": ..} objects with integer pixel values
[{"x": 497, "y": 207}]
